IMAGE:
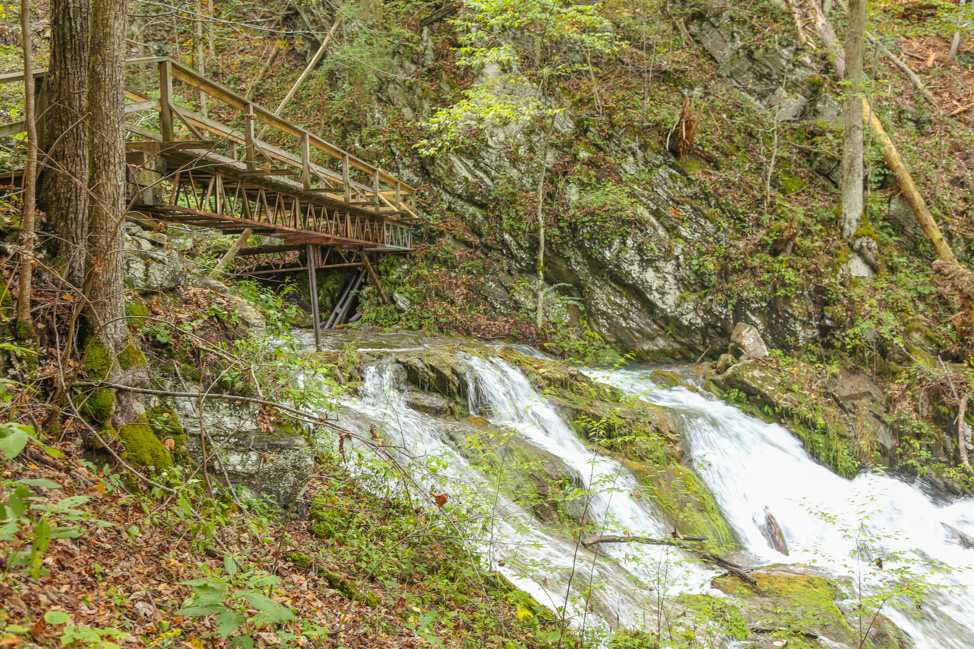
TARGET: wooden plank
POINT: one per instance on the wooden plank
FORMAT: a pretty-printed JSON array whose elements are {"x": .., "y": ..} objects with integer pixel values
[
  {"x": 374, "y": 278},
  {"x": 224, "y": 94},
  {"x": 13, "y": 128},
  {"x": 141, "y": 105},
  {"x": 268, "y": 249},
  {"x": 165, "y": 100},
  {"x": 142, "y": 132},
  {"x": 249, "y": 151},
  {"x": 159, "y": 147},
  {"x": 306, "y": 161},
  {"x": 11, "y": 77},
  {"x": 185, "y": 120},
  {"x": 270, "y": 172},
  {"x": 268, "y": 150}
]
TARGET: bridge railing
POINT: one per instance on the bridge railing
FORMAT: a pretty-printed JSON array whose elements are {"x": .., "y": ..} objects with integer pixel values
[{"x": 173, "y": 105}]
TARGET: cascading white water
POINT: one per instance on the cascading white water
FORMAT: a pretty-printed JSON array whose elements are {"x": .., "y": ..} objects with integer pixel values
[
  {"x": 539, "y": 560},
  {"x": 751, "y": 466}
]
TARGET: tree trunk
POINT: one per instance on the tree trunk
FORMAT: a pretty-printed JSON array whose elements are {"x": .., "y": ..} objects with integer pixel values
[
  {"x": 104, "y": 288},
  {"x": 231, "y": 252},
  {"x": 539, "y": 316},
  {"x": 25, "y": 323},
  {"x": 65, "y": 181},
  {"x": 852, "y": 156},
  {"x": 200, "y": 55},
  {"x": 955, "y": 45},
  {"x": 304, "y": 75}
]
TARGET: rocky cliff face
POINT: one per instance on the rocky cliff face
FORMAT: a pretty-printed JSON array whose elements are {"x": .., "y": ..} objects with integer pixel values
[{"x": 633, "y": 263}]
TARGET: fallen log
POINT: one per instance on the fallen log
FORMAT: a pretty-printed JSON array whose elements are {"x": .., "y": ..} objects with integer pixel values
[{"x": 682, "y": 543}]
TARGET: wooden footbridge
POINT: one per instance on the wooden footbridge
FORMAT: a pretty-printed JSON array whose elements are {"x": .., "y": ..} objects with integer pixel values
[{"x": 213, "y": 168}]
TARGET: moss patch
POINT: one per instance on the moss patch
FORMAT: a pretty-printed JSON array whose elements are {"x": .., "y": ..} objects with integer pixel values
[
  {"x": 142, "y": 447},
  {"x": 800, "y": 608},
  {"x": 131, "y": 356},
  {"x": 100, "y": 406},
  {"x": 99, "y": 360},
  {"x": 685, "y": 501},
  {"x": 165, "y": 425},
  {"x": 136, "y": 310}
]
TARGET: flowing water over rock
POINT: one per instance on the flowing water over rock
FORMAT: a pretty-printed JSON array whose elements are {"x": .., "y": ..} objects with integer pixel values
[
  {"x": 877, "y": 535},
  {"x": 752, "y": 467}
]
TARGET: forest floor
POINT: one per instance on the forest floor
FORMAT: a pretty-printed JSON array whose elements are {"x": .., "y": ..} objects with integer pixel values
[{"x": 123, "y": 581}]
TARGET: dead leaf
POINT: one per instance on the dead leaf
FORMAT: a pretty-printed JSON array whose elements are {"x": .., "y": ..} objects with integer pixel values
[{"x": 440, "y": 498}]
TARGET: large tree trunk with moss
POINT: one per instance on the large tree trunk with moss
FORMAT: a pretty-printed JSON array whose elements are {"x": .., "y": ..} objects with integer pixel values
[
  {"x": 65, "y": 182},
  {"x": 852, "y": 205},
  {"x": 106, "y": 331}
]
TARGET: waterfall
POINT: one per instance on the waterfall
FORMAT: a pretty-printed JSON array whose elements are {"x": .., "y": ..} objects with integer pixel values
[
  {"x": 751, "y": 466},
  {"x": 841, "y": 528},
  {"x": 623, "y": 582}
]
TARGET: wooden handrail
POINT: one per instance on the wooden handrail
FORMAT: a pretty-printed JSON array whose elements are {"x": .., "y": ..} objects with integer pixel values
[{"x": 229, "y": 97}]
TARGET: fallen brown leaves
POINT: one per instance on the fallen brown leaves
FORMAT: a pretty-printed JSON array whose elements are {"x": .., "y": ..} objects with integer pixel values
[{"x": 127, "y": 576}]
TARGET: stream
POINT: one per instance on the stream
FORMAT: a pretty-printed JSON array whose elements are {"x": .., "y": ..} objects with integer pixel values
[{"x": 832, "y": 526}]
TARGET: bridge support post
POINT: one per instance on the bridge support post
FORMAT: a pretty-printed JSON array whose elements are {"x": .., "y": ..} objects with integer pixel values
[{"x": 315, "y": 316}]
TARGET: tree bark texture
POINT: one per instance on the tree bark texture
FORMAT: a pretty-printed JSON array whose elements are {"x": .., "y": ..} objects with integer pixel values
[
  {"x": 852, "y": 152},
  {"x": 25, "y": 324},
  {"x": 104, "y": 285},
  {"x": 65, "y": 180}
]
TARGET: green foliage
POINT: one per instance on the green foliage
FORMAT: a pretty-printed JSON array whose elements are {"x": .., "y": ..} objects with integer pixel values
[
  {"x": 231, "y": 597},
  {"x": 99, "y": 406},
  {"x": 27, "y": 521},
  {"x": 514, "y": 72},
  {"x": 278, "y": 311}
]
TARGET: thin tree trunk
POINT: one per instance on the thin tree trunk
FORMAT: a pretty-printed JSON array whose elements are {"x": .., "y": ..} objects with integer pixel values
[
  {"x": 920, "y": 210},
  {"x": 232, "y": 252},
  {"x": 304, "y": 75},
  {"x": 851, "y": 207},
  {"x": 25, "y": 323},
  {"x": 827, "y": 34},
  {"x": 539, "y": 316},
  {"x": 65, "y": 181},
  {"x": 962, "y": 432},
  {"x": 200, "y": 54},
  {"x": 956, "y": 44},
  {"x": 252, "y": 91},
  {"x": 958, "y": 274}
]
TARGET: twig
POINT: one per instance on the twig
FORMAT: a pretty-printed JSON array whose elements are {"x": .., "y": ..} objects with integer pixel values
[{"x": 729, "y": 566}]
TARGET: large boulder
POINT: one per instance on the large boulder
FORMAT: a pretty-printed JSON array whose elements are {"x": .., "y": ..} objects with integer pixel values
[
  {"x": 269, "y": 457},
  {"x": 746, "y": 341},
  {"x": 150, "y": 263}
]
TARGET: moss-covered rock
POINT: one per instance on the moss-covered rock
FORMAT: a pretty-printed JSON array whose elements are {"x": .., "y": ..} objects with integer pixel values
[
  {"x": 839, "y": 432},
  {"x": 142, "y": 447},
  {"x": 539, "y": 481},
  {"x": 803, "y": 608},
  {"x": 164, "y": 422},
  {"x": 687, "y": 503},
  {"x": 136, "y": 310},
  {"x": 435, "y": 371}
]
